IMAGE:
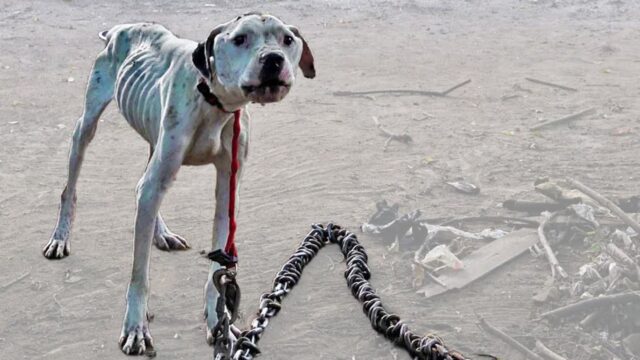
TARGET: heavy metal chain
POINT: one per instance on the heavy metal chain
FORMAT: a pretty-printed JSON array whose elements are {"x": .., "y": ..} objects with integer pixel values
[{"x": 235, "y": 344}]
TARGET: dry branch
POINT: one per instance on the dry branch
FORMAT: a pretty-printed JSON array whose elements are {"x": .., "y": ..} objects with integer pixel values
[
  {"x": 606, "y": 203},
  {"x": 590, "y": 319},
  {"x": 534, "y": 207},
  {"x": 556, "y": 269},
  {"x": 507, "y": 339},
  {"x": 546, "y": 352},
  {"x": 591, "y": 304},
  {"x": 402, "y": 92},
  {"x": 563, "y": 119},
  {"x": 516, "y": 221},
  {"x": 446, "y": 92},
  {"x": 428, "y": 272},
  {"x": 403, "y": 138},
  {"x": 620, "y": 255},
  {"x": 550, "y": 84}
]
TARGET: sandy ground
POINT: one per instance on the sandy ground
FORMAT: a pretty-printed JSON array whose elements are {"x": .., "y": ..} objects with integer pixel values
[{"x": 315, "y": 157}]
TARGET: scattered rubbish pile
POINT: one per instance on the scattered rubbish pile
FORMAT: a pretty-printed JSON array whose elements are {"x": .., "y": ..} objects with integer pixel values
[{"x": 595, "y": 294}]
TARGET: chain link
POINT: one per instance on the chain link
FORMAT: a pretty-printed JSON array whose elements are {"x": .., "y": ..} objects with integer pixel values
[{"x": 357, "y": 274}]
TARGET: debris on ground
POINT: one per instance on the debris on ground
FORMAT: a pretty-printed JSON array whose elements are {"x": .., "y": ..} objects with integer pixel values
[
  {"x": 464, "y": 187},
  {"x": 446, "y": 257},
  {"x": 592, "y": 246},
  {"x": 403, "y": 138},
  {"x": 398, "y": 92},
  {"x": 480, "y": 262},
  {"x": 541, "y": 82},
  {"x": 442, "y": 254},
  {"x": 600, "y": 297},
  {"x": 563, "y": 120}
]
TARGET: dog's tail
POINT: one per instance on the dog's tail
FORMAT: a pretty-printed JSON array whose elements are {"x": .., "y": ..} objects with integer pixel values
[{"x": 104, "y": 36}]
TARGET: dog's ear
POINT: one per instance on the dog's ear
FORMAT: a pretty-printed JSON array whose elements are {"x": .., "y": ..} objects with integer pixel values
[
  {"x": 306, "y": 60},
  {"x": 200, "y": 60},
  {"x": 202, "y": 56}
]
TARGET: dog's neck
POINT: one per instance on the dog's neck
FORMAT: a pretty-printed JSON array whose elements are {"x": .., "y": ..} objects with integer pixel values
[
  {"x": 211, "y": 91},
  {"x": 209, "y": 96}
]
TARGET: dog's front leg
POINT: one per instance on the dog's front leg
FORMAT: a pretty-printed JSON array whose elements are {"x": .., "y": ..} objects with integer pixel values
[
  {"x": 221, "y": 218},
  {"x": 160, "y": 174}
]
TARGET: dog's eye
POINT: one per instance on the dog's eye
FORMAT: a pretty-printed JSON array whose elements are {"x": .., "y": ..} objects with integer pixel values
[
  {"x": 288, "y": 40},
  {"x": 239, "y": 40}
]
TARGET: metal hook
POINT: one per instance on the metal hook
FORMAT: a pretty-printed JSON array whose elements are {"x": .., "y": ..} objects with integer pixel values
[{"x": 227, "y": 311}]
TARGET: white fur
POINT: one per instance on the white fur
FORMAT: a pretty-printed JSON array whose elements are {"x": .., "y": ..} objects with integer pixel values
[{"x": 150, "y": 74}]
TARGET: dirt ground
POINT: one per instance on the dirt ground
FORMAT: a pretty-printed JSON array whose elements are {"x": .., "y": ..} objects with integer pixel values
[{"x": 315, "y": 157}]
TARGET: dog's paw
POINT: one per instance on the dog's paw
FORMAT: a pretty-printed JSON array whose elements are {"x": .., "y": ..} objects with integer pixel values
[
  {"x": 168, "y": 241},
  {"x": 165, "y": 239},
  {"x": 210, "y": 339},
  {"x": 56, "y": 248},
  {"x": 136, "y": 339}
]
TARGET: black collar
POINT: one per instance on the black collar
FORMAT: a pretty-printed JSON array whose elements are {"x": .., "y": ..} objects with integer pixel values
[{"x": 209, "y": 96}]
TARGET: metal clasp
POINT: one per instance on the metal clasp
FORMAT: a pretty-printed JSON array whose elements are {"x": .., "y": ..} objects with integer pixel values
[{"x": 227, "y": 311}]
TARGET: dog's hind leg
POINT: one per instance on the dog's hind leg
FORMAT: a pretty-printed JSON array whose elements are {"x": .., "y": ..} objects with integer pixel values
[
  {"x": 98, "y": 95},
  {"x": 165, "y": 239}
]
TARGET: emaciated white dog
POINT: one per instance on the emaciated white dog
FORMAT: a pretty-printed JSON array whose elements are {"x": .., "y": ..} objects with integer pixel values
[{"x": 153, "y": 76}]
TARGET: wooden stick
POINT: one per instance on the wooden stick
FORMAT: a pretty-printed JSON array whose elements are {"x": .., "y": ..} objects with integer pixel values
[
  {"x": 590, "y": 319},
  {"x": 501, "y": 219},
  {"x": 620, "y": 255},
  {"x": 590, "y": 304},
  {"x": 563, "y": 119},
  {"x": 389, "y": 92},
  {"x": 546, "y": 352},
  {"x": 606, "y": 203},
  {"x": 556, "y": 269},
  {"x": 384, "y": 131},
  {"x": 535, "y": 207},
  {"x": 427, "y": 271},
  {"x": 446, "y": 92},
  {"x": 14, "y": 281},
  {"x": 507, "y": 339},
  {"x": 403, "y": 138},
  {"x": 550, "y": 84},
  {"x": 402, "y": 92},
  {"x": 436, "y": 280},
  {"x": 386, "y": 143}
]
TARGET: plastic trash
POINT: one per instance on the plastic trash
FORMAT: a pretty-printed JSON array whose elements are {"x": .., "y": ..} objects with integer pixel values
[{"x": 442, "y": 254}]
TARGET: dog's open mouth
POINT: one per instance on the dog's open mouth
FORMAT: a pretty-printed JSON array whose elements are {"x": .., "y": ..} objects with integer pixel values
[{"x": 268, "y": 91}]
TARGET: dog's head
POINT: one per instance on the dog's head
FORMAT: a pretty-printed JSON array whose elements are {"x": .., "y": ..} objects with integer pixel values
[{"x": 253, "y": 58}]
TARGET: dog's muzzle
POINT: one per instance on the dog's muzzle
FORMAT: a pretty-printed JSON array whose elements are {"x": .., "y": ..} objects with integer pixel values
[{"x": 271, "y": 87}]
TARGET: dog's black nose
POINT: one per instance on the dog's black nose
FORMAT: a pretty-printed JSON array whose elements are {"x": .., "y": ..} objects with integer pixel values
[{"x": 272, "y": 63}]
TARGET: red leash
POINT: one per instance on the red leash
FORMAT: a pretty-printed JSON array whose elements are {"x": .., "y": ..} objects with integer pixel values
[{"x": 230, "y": 248}]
